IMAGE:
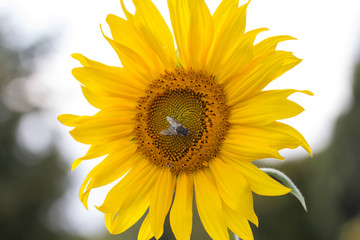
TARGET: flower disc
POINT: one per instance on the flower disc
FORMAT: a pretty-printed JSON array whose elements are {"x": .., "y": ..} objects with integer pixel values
[{"x": 198, "y": 104}]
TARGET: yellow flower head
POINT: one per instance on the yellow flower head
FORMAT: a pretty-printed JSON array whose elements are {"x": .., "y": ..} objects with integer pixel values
[{"x": 185, "y": 122}]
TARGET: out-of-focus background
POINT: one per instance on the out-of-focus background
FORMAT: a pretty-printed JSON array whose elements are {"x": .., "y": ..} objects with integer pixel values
[{"x": 38, "y": 193}]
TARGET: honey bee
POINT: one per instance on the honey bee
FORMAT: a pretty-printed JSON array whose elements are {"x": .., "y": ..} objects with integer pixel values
[{"x": 175, "y": 128}]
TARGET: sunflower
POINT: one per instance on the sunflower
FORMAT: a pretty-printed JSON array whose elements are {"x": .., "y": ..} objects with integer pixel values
[{"x": 173, "y": 123}]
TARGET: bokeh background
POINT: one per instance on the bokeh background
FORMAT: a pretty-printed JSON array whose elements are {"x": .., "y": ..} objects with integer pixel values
[{"x": 38, "y": 193}]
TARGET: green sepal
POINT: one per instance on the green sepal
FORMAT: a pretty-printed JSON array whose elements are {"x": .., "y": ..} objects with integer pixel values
[{"x": 286, "y": 181}]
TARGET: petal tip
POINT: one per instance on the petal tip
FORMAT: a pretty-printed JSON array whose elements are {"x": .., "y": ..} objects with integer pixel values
[
  {"x": 61, "y": 117},
  {"x": 75, "y": 164}
]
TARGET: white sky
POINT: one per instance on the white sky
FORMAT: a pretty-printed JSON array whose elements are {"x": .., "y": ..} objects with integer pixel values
[{"x": 328, "y": 33}]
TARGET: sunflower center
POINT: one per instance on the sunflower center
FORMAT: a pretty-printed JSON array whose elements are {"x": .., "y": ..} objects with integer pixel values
[{"x": 182, "y": 120}]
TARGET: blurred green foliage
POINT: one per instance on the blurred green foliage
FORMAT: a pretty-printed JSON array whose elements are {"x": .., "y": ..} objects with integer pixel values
[{"x": 30, "y": 181}]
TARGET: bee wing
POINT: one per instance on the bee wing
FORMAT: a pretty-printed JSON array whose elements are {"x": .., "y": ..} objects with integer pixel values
[
  {"x": 172, "y": 121},
  {"x": 167, "y": 132}
]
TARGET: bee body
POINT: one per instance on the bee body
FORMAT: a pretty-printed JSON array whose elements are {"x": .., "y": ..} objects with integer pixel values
[{"x": 175, "y": 128}]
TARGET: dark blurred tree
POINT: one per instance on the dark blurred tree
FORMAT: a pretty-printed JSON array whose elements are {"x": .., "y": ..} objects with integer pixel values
[
  {"x": 330, "y": 183},
  {"x": 30, "y": 181}
]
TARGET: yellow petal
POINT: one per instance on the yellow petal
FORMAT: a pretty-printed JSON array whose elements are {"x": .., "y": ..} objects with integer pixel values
[
  {"x": 72, "y": 120},
  {"x": 290, "y": 134},
  {"x": 160, "y": 201},
  {"x": 132, "y": 61},
  {"x": 109, "y": 219},
  {"x": 128, "y": 15},
  {"x": 154, "y": 29},
  {"x": 180, "y": 21},
  {"x": 265, "y": 71},
  {"x": 104, "y": 127},
  {"x": 229, "y": 30},
  {"x": 96, "y": 151},
  {"x": 265, "y": 108},
  {"x": 130, "y": 186},
  {"x": 222, "y": 13},
  {"x": 125, "y": 32},
  {"x": 76, "y": 163},
  {"x": 126, "y": 217},
  {"x": 181, "y": 210},
  {"x": 269, "y": 45},
  {"x": 238, "y": 224},
  {"x": 86, "y": 62},
  {"x": 209, "y": 205},
  {"x": 131, "y": 202},
  {"x": 133, "y": 208},
  {"x": 201, "y": 31},
  {"x": 259, "y": 182},
  {"x": 123, "y": 76},
  {"x": 113, "y": 83},
  {"x": 145, "y": 232},
  {"x": 252, "y": 149},
  {"x": 111, "y": 168},
  {"x": 100, "y": 100},
  {"x": 290, "y": 62},
  {"x": 239, "y": 59},
  {"x": 233, "y": 189},
  {"x": 96, "y": 99},
  {"x": 263, "y": 141}
]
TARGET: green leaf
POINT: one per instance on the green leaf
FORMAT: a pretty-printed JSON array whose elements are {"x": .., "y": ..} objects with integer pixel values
[
  {"x": 286, "y": 181},
  {"x": 233, "y": 236}
]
